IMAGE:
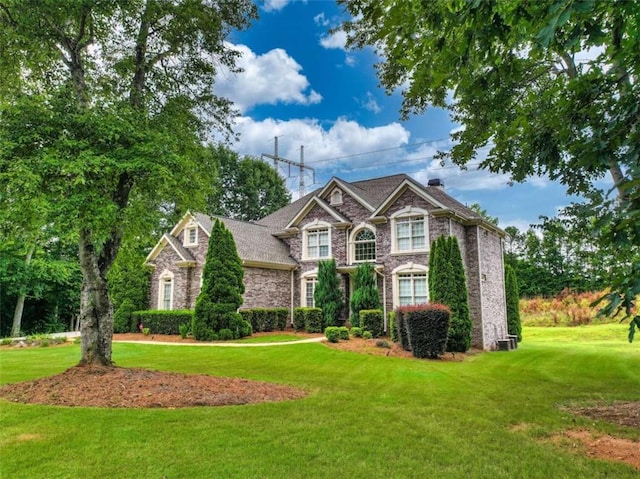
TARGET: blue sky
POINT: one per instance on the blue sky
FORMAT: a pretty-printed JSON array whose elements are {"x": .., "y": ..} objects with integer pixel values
[{"x": 300, "y": 84}]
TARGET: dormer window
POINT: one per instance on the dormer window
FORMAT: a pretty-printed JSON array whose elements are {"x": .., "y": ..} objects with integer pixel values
[
  {"x": 336, "y": 197},
  {"x": 191, "y": 235}
]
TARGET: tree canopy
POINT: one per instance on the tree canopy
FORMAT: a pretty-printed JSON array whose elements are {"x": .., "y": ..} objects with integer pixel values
[
  {"x": 549, "y": 87},
  {"x": 104, "y": 106},
  {"x": 247, "y": 188}
]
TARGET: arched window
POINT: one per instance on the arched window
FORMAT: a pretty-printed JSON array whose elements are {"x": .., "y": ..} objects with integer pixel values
[
  {"x": 316, "y": 240},
  {"x": 365, "y": 245},
  {"x": 410, "y": 285},
  {"x": 165, "y": 291}
]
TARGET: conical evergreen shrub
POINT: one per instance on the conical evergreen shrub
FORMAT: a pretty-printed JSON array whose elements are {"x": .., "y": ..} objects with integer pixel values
[
  {"x": 513, "y": 302},
  {"x": 222, "y": 288},
  {"x": 365, "y": 292},
  {"x": 327, "y": 294}
]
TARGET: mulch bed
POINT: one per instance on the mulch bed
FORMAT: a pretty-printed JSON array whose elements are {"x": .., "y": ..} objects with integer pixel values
[{"x": 114, "y": 387}]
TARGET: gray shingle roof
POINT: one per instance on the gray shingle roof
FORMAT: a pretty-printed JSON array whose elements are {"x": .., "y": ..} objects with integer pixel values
[
  {"x": 182, "y": 251},
  {"x": 374, "y": 191},
  {"x": 255, "y": 242}
]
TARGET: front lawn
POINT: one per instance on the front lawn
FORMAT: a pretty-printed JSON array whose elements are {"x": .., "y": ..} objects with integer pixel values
[{"x": 367, "y": 416}]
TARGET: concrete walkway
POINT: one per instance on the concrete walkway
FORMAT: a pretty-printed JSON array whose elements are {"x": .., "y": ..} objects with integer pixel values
[{"x": 229, "y": 345}]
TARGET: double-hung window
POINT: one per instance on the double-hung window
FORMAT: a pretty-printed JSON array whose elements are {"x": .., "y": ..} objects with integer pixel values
[
  {"x": 410, "y": 234},
  {"x": 309, "y": 291},
  {"x": 318, "y": 243},
  {"x": 412, "y": 288}
]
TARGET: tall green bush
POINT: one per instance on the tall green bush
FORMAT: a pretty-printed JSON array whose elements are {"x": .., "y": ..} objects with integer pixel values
[
  {"x": 513, "y": 302},
  {"x": 327, "y": 295},
  {"x": 372, "y": 320},
  {"x": 313, "y": 320},
  {"x": 427, "y": 327},
  {"x": 365, "y": 292},
  {"x": 448, "y": 285},
  {"x": 123, "y": 318},
  {"x": 222, "y": 288}
]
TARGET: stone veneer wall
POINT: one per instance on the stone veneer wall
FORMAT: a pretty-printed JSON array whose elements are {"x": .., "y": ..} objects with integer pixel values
[
  {"x": 474, "y": 287},
  {"x": 494, "y": 315},
  {"x": 267, "y": 288},
  {"x": 182, "y": 279}
]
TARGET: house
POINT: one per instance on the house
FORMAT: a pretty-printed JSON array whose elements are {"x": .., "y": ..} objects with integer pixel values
[{"x": 390, "y": 221}]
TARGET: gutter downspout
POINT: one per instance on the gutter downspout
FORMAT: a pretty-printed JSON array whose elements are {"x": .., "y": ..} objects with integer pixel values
[{"x": 292, "y": 296}]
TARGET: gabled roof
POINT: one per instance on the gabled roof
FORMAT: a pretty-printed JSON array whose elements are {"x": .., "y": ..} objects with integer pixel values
[
  {"x": 356, "y": 193},
  {"x": 406, "y": 184},
  {"x": 255, "y": 243},
  {"x": 317, "y": 201},
  {"x": 167, "y": 239},
  {"x": 375, "y": 194}
]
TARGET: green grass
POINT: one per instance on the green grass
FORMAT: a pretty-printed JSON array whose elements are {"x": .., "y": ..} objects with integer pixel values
[{"x": 490, "y": 416}]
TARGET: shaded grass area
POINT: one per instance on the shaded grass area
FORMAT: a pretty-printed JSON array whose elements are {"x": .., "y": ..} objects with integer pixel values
[
  {"x": 366, "y": 416},
  {"x": 271, "y": 338}
]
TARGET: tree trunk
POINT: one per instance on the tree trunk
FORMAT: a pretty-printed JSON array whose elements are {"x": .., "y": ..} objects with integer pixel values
[
  {"x": 17, "y": 312},
  {"x": 96, "y": 310}
]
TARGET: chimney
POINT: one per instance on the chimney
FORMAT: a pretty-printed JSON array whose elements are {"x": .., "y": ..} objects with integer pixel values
[{"x": 437, "y": 182}]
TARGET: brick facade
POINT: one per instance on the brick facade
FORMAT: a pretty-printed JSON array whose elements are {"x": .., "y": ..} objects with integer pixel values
[{"x": 277, "y": 286}]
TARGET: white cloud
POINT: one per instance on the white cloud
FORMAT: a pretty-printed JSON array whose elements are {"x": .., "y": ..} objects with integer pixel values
[
  {"x": 370, "y": 103},
  {"x": 271, "y": 78},
  {"x": 321, "y": 20},
  {"x": 337, "y": 39},
  {"x": 274, "y": 5},
  {"x": 350, "y": 60}
]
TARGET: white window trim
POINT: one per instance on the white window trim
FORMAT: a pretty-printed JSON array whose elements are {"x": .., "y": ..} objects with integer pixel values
[
  {"x": 406, "y": 268},
  {"x": 315, "y": 225},
  {"x": 352, "y": 243},
  {"x": 306, "y": 277},
  {"x": 409, "y": 212},
  {"x": 187, "y": 229},
  {"x": 164, "y": 277}
]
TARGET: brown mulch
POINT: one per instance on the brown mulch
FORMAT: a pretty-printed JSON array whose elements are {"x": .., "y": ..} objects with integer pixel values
[
  {"x": 604, "y": 447},
  {"x": 624, "y": 413},
  {"x": 114, "y": 387}
]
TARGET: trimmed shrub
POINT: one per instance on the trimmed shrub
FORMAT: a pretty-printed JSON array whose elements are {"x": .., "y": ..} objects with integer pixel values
[
  {"x": 372, "y": 320},
  {"x": 247, "y": 315},
  {"x": 344, "y": 333},
  {"x": 282, "y": 316},
  {"x": 428, "y": 328},
  {"x": 123, "y": 321},
  {"x": 332, "y": 333},
  {"x": 401, "y": 329},
  {"x": 162, "y": 321},
  {"x": 356, "y": 332},
  {"x": 392, "y": 327},
  {"x": 266, "y": 319},
  {"x": 184, "y": 330},
  {"x": 225, "y": 334},
  {"x": 298, "y": 319},
  {"x": 313, "y": 320},
  {"x": 367, "y": 335}
]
